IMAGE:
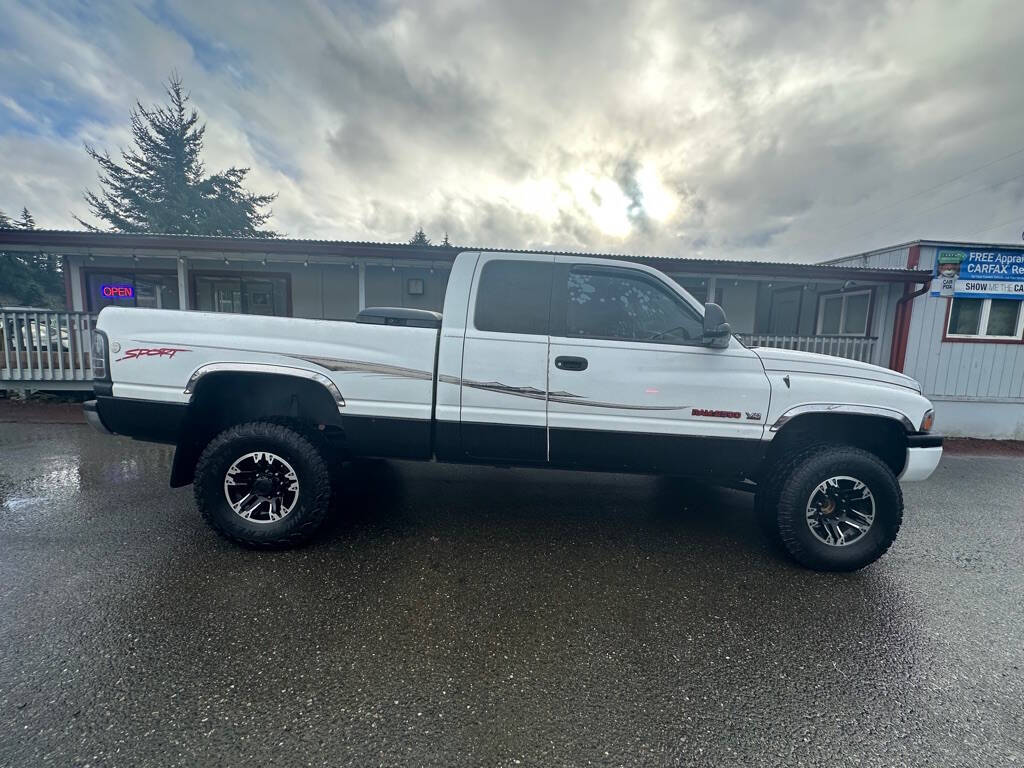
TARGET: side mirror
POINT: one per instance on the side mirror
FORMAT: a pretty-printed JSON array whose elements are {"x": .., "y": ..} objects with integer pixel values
[{"x": 716, "y": 328}]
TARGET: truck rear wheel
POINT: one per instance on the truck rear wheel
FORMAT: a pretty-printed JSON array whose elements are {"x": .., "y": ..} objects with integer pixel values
[
  {"x": 263, "y": 485},
  {"x": 838, "y": 509}
]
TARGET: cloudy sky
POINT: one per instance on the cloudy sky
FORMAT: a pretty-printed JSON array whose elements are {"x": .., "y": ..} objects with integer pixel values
[{"x": 724, "y": 128}]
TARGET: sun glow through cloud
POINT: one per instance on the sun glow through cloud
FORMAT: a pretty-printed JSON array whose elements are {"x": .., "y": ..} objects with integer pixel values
[
  {"x": 603, "y": 201},
  {"x": 659, "y": 202}
]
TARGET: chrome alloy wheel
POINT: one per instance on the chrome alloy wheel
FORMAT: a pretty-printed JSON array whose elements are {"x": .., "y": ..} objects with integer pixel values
[
  {"x": 261, "y": 487},
  {"x": 840, "y": 511}
]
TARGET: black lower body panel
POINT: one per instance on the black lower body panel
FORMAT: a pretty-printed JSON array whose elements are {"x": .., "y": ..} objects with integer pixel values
[
  {"x": 714, "y": 458},
  {"x": 392, "y": 438},
  {"x": 149, "y": 420},
  {"x": 504, "y": 443},
  {"x": 663, "y": 454}
]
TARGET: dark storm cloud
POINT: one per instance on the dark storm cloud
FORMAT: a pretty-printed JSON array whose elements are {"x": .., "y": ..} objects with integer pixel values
[{"x": 757, "y": 129}]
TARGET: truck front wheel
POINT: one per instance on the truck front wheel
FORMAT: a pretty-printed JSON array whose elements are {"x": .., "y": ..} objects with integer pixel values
[
  {"x": 839, "y": 509},
  {"x": 263, "y": 485}
]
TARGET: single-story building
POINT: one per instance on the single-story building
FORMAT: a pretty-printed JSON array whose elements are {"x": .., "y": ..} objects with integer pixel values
[
  {"x": 873, "y": 307},
  {"x": 962, "y": 336}
]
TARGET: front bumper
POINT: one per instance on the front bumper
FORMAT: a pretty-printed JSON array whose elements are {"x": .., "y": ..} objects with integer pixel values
[
  {"x": 923, "y": 455},
  {"x": 92, "y": 415}
]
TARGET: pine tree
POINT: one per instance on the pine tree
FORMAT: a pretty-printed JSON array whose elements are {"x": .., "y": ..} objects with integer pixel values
[
  {"x": 160, "y": 185},
  {"x": 445, "y": 243},
  {"x": 32, "y": 279},
  {"x": 420, "y": 238}
]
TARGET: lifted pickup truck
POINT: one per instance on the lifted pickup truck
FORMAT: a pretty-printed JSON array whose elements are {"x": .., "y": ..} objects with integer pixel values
[{"x": 538, "y": 360}]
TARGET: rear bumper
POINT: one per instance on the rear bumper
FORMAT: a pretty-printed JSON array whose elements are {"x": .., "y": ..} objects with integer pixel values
[
  {"x": 92, "y": 416},
  {"x": 923, "y": 455}
]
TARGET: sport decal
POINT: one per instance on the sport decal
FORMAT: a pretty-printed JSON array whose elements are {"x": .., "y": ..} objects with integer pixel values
[{"x": 135, "y": 354}]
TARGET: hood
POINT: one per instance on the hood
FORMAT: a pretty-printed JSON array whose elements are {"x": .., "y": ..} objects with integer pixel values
[{"x": 792, "y": 361}]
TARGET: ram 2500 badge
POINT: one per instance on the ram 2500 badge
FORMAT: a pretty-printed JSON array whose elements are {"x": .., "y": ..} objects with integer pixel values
[{"x": 537, "y": 360}]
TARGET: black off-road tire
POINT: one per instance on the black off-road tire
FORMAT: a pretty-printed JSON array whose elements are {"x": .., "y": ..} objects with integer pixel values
[
  {"x": 297, "y": 449},
  {"x": 766, "y": 498},
  {"x": 799, "y": 483}
]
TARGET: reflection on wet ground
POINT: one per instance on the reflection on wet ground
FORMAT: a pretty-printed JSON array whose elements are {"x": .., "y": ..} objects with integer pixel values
[{"x": 471, "y": 615}]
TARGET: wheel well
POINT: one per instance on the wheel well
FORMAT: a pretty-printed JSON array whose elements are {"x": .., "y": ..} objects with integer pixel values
[
  {"x": 226, "y": 398},
  {"x": 884, "y": 437}
]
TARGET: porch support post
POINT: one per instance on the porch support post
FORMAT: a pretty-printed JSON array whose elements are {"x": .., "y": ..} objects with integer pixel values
[
  {"x": 362, "y": 286},
  {"x": 65, "y": 271},
  {"x": 72, "y": 268},
  {"x": 183, "y": 297}
]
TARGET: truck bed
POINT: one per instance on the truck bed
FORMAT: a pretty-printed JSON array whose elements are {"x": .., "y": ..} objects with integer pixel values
[{"x": 381, "y": 371}]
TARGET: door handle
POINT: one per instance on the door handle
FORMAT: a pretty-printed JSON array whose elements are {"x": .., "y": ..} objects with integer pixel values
[{"x": 566, "y": 363}]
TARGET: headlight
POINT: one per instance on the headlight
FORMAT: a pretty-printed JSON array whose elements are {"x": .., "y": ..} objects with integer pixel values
[{"x": 928, "y": 421}]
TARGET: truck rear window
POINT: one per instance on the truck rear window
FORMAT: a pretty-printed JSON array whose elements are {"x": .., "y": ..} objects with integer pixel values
[{"x": 514, "y": 297}]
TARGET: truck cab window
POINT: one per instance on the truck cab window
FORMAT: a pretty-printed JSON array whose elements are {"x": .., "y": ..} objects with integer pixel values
[
  {"x": 514, "y": 297},
  {"x": 615, "y": 304}
]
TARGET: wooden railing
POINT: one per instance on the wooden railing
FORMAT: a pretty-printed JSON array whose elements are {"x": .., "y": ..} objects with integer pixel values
[
  {"x": 852, "y": 347},
  {"x": 40, "y": 348}
]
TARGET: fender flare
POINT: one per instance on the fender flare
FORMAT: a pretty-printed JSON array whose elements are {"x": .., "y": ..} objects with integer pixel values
[
  {"x": 843, "y": 408},
  {"x": 186, "y": 452},
  {"x": 280, "y": 370}
]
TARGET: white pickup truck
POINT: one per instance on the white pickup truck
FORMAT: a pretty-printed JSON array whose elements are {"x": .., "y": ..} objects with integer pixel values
[{"x": 538, "y": 360}]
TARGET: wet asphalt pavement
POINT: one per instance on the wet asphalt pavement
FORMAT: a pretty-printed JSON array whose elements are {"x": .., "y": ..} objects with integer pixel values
[{"x": 478, "y": 616}]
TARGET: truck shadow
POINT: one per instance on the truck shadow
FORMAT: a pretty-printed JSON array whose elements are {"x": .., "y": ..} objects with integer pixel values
[{"x": 381, "y": 498}]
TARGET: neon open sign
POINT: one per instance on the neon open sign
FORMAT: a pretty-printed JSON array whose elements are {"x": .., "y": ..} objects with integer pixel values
[{"x": 117, "y": 291}]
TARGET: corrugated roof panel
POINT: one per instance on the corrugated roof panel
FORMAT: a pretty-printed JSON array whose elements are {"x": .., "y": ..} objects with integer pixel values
[{"x": 57, "y": 239}]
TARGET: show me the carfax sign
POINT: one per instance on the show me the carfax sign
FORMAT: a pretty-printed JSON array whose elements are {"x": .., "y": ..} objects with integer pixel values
[{"x": 970, "y": 274}]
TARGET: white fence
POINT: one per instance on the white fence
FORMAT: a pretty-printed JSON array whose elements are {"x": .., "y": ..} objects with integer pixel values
[
  {"x": 43, "y": 349},
  {"x": 853, "y": 347}
]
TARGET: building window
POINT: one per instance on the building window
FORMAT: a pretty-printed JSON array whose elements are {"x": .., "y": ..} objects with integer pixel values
[
  {"x": 242, "y": 294},
  {"x": 695, "y": 286},
  {"x": 116, "y": 288},
  {"x": 844, "y": 314},
  {"x": 985, "y": 319}
]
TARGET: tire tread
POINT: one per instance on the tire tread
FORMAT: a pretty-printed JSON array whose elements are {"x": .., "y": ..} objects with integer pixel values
[{"x": 766, "y": 500}]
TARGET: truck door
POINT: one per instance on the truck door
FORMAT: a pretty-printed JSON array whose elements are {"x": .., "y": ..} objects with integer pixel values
[
  {"x": 631, "y": 387},
  {"x": 505, "y": 360}
]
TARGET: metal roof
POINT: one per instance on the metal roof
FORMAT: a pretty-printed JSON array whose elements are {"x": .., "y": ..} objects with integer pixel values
[
  {"x": 936, "y": 243},
  {"x": 85, "y": 243}
]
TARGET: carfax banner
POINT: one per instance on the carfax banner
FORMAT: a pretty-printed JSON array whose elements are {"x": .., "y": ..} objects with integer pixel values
[{"x": 979, "y": 274}]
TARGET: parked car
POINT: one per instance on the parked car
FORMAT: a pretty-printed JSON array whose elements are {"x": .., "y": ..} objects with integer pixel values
[
  {"x": 23, "y": 331},
  {"x": 537, "y": 360}
]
